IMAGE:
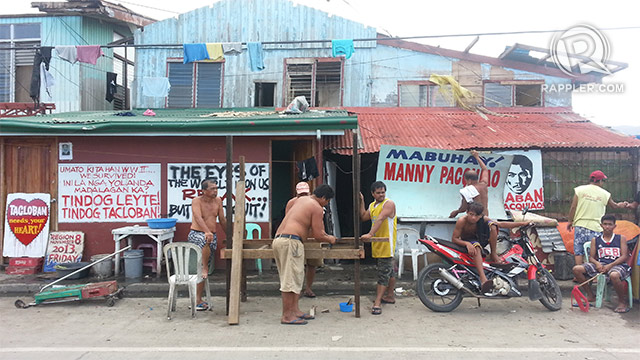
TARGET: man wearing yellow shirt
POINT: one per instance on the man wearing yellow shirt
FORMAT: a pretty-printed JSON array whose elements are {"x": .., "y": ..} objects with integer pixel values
[
  {"x": 382, "y": 213},
  {"x": 587, "y": 208}
]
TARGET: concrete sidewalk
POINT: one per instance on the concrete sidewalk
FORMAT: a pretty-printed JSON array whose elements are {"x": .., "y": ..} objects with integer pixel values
[{"x": 331, "y": 279}]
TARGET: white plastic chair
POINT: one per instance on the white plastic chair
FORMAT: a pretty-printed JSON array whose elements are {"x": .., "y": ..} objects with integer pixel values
[
  {"x": 250, "y": 227},
  {"x": 408, "y": 245},
  {"x": 180, "y": 254}
]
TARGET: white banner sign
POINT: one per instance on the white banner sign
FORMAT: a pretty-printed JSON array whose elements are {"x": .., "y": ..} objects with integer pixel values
[
  {"x": 108, "y": 192},
  {"x": 184, "y": 184},
  {"x": 524, "y": 181},
  {"x": 425, "y": 183},
  {"x": 26, "y": 225}
]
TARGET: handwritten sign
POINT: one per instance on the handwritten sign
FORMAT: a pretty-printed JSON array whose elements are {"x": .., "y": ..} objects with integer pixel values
[
  {"x": 26, "y": 225},
  {"x": 184, "y": 183},
  {"x": 64, "y": 247},
  {"x": 524, "y": 181},
  {"x": 426, "y": 183},
  {"x": 108, "y": 192}
]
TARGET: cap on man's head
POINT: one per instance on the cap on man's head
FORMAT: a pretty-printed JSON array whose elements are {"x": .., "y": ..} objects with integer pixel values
[
  {"x": 302, "y": 188},
  {"x": 598, "y": 175}
]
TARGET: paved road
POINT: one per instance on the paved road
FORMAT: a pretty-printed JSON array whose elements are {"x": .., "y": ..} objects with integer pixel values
[{"x": 137, "y": 328}]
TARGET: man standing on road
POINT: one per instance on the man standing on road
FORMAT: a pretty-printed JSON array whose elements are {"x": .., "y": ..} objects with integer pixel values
[
  {"x": 302, "y": 189},
  {"x": 206, "y": 208},
  {"x": 587, "y": 208},
  {"x": 288, "y": 249},
  {"x": 476, "y": 190},
  {"x": 382, "y": 213}
]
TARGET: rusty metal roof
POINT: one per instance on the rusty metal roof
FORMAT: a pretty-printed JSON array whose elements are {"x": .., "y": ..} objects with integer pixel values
[{"x": 457, "y": 129}]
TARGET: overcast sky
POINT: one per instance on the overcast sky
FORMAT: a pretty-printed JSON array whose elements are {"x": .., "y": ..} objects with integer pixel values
[{"x": 422, "y": 17}]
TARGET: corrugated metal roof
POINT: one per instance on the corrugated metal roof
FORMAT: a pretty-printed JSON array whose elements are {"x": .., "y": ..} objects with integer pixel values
[
  {"x": 457, "y": 129},
  {"x": 191, "y": 122}
]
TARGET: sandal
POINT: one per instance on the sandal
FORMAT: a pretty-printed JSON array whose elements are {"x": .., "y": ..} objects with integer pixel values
[
  {"x": 626, "y": 309},
  {"x": 376, "y": 310},
  {"x": 203, "y": 306},
  {"x": 297, "y": 321}
]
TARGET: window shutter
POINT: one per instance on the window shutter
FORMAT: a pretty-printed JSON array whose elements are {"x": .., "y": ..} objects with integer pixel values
[
  {"x": 209, "y": 85},
  {"x": 438, "y": 99},
  {"x": 299, "y": 82},
  {"x": 413, "y": 95},
  {"x": 497, "y": 95},
  {"x": 181, "y": 80},
  {"x": 5, "y": 74},
  {"x": 24, "y": 57}
]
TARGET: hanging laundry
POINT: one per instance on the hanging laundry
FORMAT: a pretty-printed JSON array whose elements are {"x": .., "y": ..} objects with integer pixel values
[
  {"x": 232, "y": 48},
  {"x": 89, "y": 53},
  {"x": 112, "y": 86},
  {"x": 342, "y": 47},
  {"x": 34, "y": 88},
  {"x": 67, "y": 53},
  {"x": 46, "y": 81},
  {"x": 215, "y": 51},
  {"x": 124, "y": 113},
  {"x": 307, "y": 169},
  {"x": 194, "y": 52},
  {"x": 256, "y": 56},
  {"x": 155, "y": 86},
  {"x": 46, "y": 55}
]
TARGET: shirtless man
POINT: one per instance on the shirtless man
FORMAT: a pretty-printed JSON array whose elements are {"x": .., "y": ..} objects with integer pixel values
[
  {"x": 288, "y": 249},
  {"x": 476, "y": 190},
  {"x": 205, "y": 209},
  {"x": 473, "y": 231}
]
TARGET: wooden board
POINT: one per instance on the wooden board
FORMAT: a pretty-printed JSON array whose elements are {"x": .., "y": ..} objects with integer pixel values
[
  {"x": 342, "y": 241},
  {"x": 236, "y": 260},
  {"x": 345, "y": 253}
]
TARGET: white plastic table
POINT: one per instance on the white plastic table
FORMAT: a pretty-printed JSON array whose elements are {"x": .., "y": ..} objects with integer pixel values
[{"x": 158, "y": 235}]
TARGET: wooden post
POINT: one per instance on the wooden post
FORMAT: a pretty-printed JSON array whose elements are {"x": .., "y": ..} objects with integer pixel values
[
  {"x": 127, "y": 104},
  {"x": 243, "y": 284},
  {"x": 356, "y": 217},
  {"x": 236, "y": 251},
  {"x": 229, "y": 207},
  {"x": 3, "y": 195}
]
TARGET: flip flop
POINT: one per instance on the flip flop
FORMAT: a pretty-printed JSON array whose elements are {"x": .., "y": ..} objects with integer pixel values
[
  {"x": 376, "y": 310},
  {"x": 297, "y": 321},
  {"x": 203, "y": 306},
  {"x": 308, "y": 294},
  {"x": 578, "y": 305},
  {"x": 622, "y": 311},
  {"x": 306, "y": 317},
  {"x": 388, "y": 302}
]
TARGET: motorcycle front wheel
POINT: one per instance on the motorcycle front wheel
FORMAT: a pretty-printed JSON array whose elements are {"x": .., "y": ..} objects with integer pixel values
[
  {"x": 435, "y": 292},
  {"x": 551, "y": 295}
]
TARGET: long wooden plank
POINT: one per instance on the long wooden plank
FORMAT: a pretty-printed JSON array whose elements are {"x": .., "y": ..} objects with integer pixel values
[
  {"x": 342, "y": 241},
  {"x": 236, "y": 260},
  {"x": 347, "y": 253}
]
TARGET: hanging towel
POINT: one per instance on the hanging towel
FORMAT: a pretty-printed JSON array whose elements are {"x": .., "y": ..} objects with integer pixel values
[
  {"x": 46, "y": 55},
  {"x": 194, "y": 52},
  {"x": 469, "y": 192},
  {"x": 89, "y": 53},
  {"x": 46, "y": 81},
  {"x": 307, "y": 169},
  {"x": 232, "y": 48},
  {"x": 342, "y": 47},
  {"x": 215, "y": 51},
  {"x": 155, "y": 86},
  {"x": 256, "y": 56},
  {"x": 112, "y": 86},
  {"x": 67, "y": 53}
]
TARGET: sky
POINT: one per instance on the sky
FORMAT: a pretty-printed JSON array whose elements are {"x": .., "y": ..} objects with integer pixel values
[{"x": 421, "y": 17}]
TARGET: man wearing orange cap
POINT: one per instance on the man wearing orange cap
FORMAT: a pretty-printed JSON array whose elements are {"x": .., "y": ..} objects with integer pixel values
[
  {"x": 302, "y": 189},
  {"x": 587, "y": 208}
]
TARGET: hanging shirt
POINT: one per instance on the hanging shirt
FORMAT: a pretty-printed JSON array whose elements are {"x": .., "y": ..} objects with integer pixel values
[
  {"x": 232, "y": 48},
  {"x": 194, "y": 52},
  {"x": 256, "y": 56},
  {"x": 89, "y": 53},
  {"x": 215, "y": 51},
  {"x": 46, "y": 82},
  {"x": 342, "y": 47},
  {"x": 307, "y": 169},
  {"x": 388, "y": 229},
  {"x": 46, "y": 55},
  {"x": 34, "y": 88},
  {"x": 67, "y": 53},
  {"x": 155, "y": 86},
  {"x": 112, "y": 86}
]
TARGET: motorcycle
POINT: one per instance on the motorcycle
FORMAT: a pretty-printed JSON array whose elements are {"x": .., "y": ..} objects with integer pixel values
[{"x": 442, "y": 286}]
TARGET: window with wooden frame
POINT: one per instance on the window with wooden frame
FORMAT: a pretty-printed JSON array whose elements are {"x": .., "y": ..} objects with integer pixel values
[
  {"x": 195, "y": 85},
  {"x": 421, "y": 93},
  {"x": 319, "y": 80},
  {"x": 16, "y": 65},
  {"x": 513, "y": 93}
]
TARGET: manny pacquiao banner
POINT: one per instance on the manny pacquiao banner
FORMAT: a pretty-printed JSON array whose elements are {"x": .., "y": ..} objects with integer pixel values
[
  {"x": 524, "y": 181},
  {"x": 425, "y": 183},
  {"x": 26, "y": 225}
]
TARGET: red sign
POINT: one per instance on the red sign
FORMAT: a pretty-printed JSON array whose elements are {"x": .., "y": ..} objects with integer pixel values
[{"x": 27, "y": 219}]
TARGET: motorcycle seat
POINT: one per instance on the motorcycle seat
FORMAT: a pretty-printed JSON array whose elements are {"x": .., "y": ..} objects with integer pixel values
[
  {"x": 503, "y": 267},
  {"x": 456, "y": 247}
]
